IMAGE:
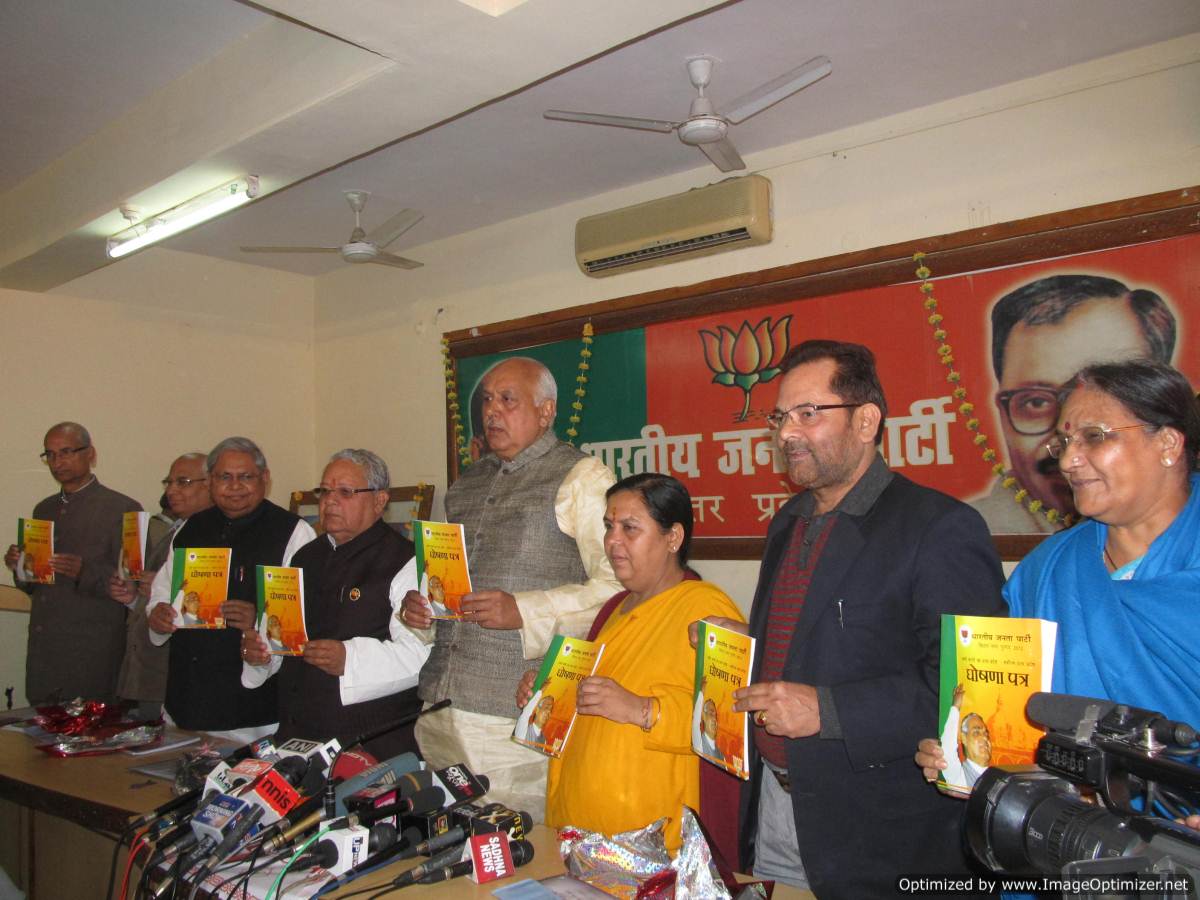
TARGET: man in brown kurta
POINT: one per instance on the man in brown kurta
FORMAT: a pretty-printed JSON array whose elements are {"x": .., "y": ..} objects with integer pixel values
[{"x": 76, "y": 631}]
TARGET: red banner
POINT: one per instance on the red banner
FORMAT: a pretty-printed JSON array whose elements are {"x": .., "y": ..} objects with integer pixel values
[{"x": 710, "y": 379}]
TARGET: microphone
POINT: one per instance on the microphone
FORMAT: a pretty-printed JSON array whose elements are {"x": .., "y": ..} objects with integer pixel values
[
  {"x": 229, "y": 843},
  {"x": 1066, "y": 712},
  {"x": 460, "y": 784},
  {"x": 522, "y": 852},
  {"x": 410, "y": 837},
  {"x": 446, "y": 857},
  {"x": 422, "y": 801},
  {"x": 406, "y": 786},
  {"x": 191, "y": 797},
  {"x": 341, "y": 850},
  {"x": 387, "y": 772},
  {"x": 434, "y": 845},
  {"x": 314, "y": 809},
  {"x": 403, "y": 720}
]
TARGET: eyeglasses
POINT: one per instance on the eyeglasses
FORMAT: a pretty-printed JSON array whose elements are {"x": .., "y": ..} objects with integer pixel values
[
  {"x": 344, "y": 493},
  {"x": 182, "y": 482},
  {"x": 1030, "y": 411},
  {"x": 227, "y": 478},
  {"x": 805, "y": 415},
  {"x": 1088, "y": 438},
  {"x": 49, "y": 456}
]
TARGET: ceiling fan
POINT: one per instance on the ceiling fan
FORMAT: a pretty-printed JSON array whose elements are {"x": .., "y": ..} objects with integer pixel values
[
  {"x": 363, "y": 247},
  {"x": 705, "y": 127}
]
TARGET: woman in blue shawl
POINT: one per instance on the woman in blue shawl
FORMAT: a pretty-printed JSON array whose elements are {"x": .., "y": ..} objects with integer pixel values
[{"x": 1123, "y": 585}]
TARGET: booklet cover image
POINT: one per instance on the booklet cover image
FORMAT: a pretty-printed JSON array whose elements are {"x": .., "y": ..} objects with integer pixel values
[
  {"x": 724, "y": 660},
  {"x": 546, "y": 721},
  {"x": 442, "y": 573},
  {"x": 35, "y": 540},
  {"x": 281, "y": 609},
  {"x": 199, "y": 585},
  {"x": 989, "y": 667},
  {"x": 133, "y": 544}
]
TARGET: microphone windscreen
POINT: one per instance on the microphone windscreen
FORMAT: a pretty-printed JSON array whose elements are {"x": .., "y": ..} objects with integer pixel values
[
  {"x": 383, "y": 835},
  {"x": 427, "y": 800},
  {"x": 410, "y": 783},
  {"x": 351, "y": 763},
  {"x": 522, "y": 852},
  {"x": 1063, "y": 712}
]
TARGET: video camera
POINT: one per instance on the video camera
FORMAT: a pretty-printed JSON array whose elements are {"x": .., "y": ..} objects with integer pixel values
[{"x": 1100, "y": 803}]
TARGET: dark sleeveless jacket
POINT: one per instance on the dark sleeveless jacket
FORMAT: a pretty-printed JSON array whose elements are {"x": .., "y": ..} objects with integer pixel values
[
  {"x": 204, "y": 670},
  {"x": 346, "y": 595}
]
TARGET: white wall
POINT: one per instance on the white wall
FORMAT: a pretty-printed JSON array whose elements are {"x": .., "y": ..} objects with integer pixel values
[
  {"x": 1116, "y": 128},
  {"x": 157, "y": 355}
]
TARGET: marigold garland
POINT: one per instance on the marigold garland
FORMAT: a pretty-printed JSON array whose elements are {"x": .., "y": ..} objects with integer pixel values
[
  {"x": 418, "y": 498},
  {"x": 585, "y": 353},
  {"x": 456, "y": 424},
  {"x": 946, "y": 356}
]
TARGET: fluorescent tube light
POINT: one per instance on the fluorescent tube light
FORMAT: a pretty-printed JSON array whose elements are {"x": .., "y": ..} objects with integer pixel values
[{"x": 184, "y": 216}]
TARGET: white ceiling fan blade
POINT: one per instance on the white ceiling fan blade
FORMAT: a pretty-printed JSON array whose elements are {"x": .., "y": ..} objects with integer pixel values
[
  {"x": 399, "y": 262},
  {"x": 773, "y": 91},
  {"x": 289, "y": 249},
  {"x": 394, "y": 227},
  {"x": 723, "y": 155},
  {"x": 618, "y": 121}
]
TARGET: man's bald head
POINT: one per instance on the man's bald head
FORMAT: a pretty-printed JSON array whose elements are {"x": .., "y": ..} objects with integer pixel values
[
  {"x": 519, "y": 404},
  {"x": 68, "y": 451}
]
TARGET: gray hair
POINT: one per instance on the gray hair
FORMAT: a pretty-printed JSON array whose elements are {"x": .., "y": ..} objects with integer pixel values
[
  {"x": 373, "y": 466},
  {"x": 235, "y": 445},
  {"x": 546, "y": 387},
  {"x": 73, "y": 427},
  {"x": 189, "y": 457}
]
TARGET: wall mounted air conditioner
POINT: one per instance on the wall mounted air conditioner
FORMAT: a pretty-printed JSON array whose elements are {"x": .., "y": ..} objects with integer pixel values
[{"x": 723, "y": 216}]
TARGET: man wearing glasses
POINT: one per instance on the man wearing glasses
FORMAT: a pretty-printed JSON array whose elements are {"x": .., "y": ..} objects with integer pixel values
[
  {"x": 856, "y": 573},
  {"x": 1042, "y": 334},
  {"x": 143, "y": 677},
  {"x": 204, "y": 669},
  {"x": 76, "y": 631},
  {"x": 359, "y": 670}
]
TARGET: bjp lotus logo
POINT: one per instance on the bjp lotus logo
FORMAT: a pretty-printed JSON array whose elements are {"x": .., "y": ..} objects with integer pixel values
[{"x": 748, "y": 357}]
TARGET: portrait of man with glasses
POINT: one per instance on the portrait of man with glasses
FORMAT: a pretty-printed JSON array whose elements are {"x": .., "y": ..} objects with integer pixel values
[{"x": 1043, "y": 333}]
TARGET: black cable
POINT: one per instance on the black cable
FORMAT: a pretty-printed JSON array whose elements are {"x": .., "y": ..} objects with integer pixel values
[{"x": 112, "y": 869}]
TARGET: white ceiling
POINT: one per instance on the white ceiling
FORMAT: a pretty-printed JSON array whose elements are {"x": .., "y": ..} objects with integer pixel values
[{"x": 435, "y": 105}]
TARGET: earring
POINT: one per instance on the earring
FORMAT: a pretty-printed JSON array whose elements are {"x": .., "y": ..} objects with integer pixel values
[{"x": 1167, "y": 461}]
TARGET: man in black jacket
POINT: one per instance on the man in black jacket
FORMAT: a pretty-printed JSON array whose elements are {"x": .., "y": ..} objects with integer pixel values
[
  {"x": 857, "y": 572},
  {"x": 204, "y": 670},
  {"x": 359, "y": 669}
]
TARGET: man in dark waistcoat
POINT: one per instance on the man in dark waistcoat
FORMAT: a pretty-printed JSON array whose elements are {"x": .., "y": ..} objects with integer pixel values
[
  {"x": 533, "y": 513},
  {"x": 76, "y": 631},
  {"x": 143, "y": 677},
  {"x": 359, "y": 669},
  {"x": 204, "y": 670},
  {"x": 857, "y": 571}
]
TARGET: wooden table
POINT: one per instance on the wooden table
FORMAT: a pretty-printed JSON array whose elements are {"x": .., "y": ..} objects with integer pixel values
[
  {"x": 97, "y": 792},
  {"x": 545, "y": 863},
  {"x": 73, "y": 799}
]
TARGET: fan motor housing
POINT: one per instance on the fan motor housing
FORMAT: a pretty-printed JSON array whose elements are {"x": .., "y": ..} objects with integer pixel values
[{"x": 359, "y": 252}]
